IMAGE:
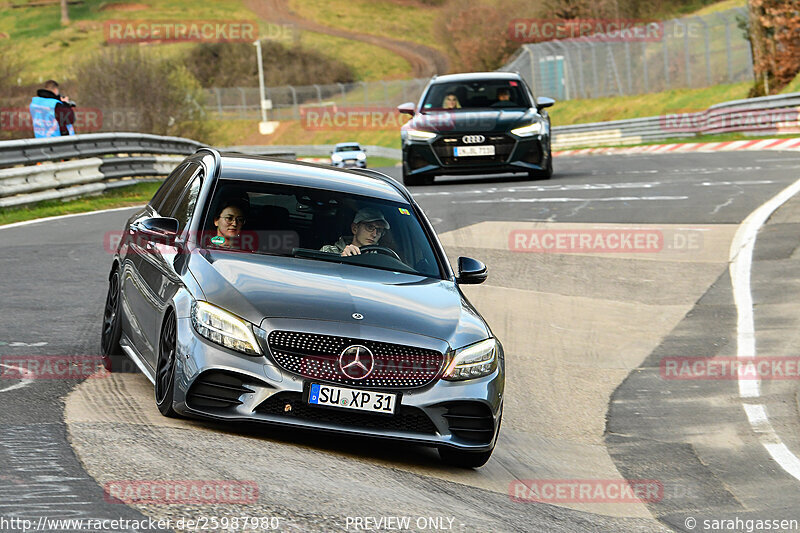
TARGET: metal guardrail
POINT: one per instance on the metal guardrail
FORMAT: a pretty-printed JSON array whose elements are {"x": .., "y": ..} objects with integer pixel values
[
  {"x": 68, "y": 167},
  {"x": 30, "y": 151},
  {"x": 317, "y": 150},
  {"x": 33, "y": 170},
  {"x": 779, "y": 114}
]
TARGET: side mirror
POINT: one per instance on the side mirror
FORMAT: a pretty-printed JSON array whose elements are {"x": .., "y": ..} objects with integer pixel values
[
  {"x": 544, "y": 101},
  {"x": 471, "y": 271},
  {"x": 160, "y": 229},
  {"x": 407, "y": 108}
]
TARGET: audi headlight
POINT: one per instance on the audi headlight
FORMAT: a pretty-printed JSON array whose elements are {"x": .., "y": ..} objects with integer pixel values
[
  {"x": 224, "y": 328},
  {"x": 537, "y": 128},
  {"x": 419, "y": 135},
  {"x": 361, "y": 156},
  {"x": 473, "y": 361}
]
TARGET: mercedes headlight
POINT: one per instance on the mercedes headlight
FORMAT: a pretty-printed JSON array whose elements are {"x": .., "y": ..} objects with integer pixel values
[
  {"x": 473, "y": 361},
  {"x": 224, "y": 328},
  {"x": 361, "y": 156},
  {"x": 537, "y": 128},
  {"x": 336, "y": 158},
  {"x": 419, "y": 135}
]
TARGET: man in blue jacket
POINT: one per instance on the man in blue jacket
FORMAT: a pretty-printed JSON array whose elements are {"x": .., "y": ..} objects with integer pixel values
[{"x": 52, "y": 115}]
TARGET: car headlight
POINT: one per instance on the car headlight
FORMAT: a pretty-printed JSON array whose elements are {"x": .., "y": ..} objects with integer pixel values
[
  {"x": 537, "y": 128},
  {"x": 473, "y": 361},
  {"x": 361, "y": 156},
  {"x": 336, "y": 157},
  {"x": 224, "y": 328},
  {"x": 419, "y": 135}
]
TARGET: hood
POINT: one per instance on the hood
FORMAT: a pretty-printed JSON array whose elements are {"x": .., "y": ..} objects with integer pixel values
[
  {"x": 44, "y": 93},
  {"x": 349, "y": 153},
  {"x": 488, "y": 120},
  {"x": 259, "y": 288}
]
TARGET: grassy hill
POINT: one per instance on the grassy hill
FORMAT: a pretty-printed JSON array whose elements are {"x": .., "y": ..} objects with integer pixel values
[{"x": 36, "y": 38}]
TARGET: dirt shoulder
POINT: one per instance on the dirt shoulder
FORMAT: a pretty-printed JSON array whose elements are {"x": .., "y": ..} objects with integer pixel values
[{"x": 425, "y": 61}]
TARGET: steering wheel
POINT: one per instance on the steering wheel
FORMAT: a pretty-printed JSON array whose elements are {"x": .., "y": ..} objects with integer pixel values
[{"x": 374, "y": 248}]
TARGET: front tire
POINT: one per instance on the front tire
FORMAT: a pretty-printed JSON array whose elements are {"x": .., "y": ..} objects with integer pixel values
[
  {"x": 112, "y": 324},
  {"x": 165, "y": 369}
]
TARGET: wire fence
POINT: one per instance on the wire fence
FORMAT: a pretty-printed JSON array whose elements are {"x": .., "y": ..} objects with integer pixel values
[
  {"x": 288, "y": 102},
  {"x": 690, "y": 52}
]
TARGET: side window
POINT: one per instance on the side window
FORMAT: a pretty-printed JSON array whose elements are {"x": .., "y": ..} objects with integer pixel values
[
  {"x": 183, "y": 212},
  {"x": 174, "y": 195},
  {"x": 162, "y": 191}
]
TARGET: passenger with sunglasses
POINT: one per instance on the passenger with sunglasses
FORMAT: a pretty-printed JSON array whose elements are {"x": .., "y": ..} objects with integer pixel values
[{"x": 368, "y": 227}]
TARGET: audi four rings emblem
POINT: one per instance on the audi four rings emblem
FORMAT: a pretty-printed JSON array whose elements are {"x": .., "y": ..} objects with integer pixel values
[
  {"x": 356, "y": 362},
  {"x": 472, "y": 139}
]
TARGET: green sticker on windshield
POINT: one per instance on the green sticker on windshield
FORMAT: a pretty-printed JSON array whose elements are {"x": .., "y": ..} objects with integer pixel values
[
  {"x": 218, "y": 240},
  {"x": 403, "y": 211}
]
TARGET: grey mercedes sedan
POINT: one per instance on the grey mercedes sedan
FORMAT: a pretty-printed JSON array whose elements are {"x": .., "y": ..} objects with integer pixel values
[{"x": 263, "y": 290}]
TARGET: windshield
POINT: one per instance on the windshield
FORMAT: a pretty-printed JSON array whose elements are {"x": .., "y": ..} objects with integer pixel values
[
  {"x": 314, "y": 224},
  {"x": 476, "y": 94},
  {"x": 348, "y": 148}
]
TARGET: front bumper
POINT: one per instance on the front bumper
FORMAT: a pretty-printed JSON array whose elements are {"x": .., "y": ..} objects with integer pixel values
[
  {"x": 514, "y": 154},
  {"x": 350, "y": 163},
  {"x": 214, "y": 382}
]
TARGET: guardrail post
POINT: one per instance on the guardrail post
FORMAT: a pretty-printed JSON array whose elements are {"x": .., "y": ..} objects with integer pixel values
[
  {"x": 319, "y": 94},
  {"x": 728, "y": 55},
  {"x": 366, "y": 93},
  {"x": 628, "y": 66},
  {"x": 706, "y": 39},
  {"x": 219, "y": 101},
  {"x": 295, "y": 107},
  {"x": 385, "y": 93},
  {"x": 686, "y": 54},
  {"x": 645, "y": 74},
  {"x": 243, "y": 107},
  {"x": 666, "y": 63},
  {"x": 341, "y": 88},
  {"x": 594, "y": 70},
  {"x": 531, "y": 62},
  {"x": 582, "y": 94}
]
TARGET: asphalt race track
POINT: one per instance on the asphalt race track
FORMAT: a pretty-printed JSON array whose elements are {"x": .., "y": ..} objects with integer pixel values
[{"x": 589, "y": 398}]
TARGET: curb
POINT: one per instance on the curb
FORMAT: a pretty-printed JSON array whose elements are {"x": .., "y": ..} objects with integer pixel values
[{"x": 729, "y": 146}]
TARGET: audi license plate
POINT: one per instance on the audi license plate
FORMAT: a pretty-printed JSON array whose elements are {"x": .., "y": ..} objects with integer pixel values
[
  {"x": 465, "y": 151},
  {"x": 361, "y": 400}
]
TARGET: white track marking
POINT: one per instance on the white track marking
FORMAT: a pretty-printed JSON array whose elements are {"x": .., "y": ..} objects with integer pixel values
[
  {"x": 48, "y": 219},
  {"x": 24, "y": 382},
  {"x": 741, "y": 257},
  {"x": 564, "y": 200}
]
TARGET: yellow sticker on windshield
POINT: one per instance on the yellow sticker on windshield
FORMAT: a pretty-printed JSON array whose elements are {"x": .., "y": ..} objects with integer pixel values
[{"x": 403, "y": 211}]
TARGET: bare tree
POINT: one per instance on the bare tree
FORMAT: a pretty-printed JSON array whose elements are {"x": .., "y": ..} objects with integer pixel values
[{"x": 64, "y": 13}]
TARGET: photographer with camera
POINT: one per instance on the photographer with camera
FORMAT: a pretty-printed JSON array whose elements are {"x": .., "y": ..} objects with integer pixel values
[{"x": 52, "y": 114}]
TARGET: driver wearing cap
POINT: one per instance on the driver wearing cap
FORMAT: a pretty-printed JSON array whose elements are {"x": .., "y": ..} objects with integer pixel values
[{"x": 368, "y": 227}]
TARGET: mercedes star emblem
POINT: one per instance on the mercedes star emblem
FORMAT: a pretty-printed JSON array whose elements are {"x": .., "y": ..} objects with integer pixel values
[{"x": 356, "y": 362}]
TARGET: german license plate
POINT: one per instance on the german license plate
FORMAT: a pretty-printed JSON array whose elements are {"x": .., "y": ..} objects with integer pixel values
[
  {"x": 466, "y": 151},
  {"x": 345, "y": 398}
]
